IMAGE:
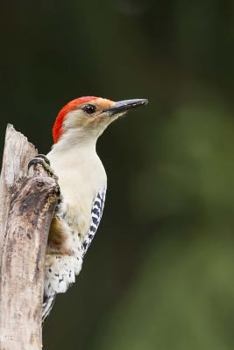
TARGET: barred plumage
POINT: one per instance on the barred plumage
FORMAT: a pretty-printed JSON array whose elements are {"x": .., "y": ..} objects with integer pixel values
[{"x": 96, "y": 214}]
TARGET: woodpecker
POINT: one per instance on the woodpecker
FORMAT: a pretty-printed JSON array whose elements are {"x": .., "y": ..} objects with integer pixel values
[{"x": 82, "y": 180}]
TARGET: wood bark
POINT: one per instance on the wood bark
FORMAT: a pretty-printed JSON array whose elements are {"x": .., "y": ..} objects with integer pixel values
[{"x": 27, "y": 203}]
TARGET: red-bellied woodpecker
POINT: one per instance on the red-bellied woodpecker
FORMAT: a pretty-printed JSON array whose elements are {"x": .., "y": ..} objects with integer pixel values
[{"x": 82, "y": 180}]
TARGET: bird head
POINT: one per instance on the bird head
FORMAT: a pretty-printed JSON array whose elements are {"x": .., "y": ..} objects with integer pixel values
[{"x": 85, "y": 118}]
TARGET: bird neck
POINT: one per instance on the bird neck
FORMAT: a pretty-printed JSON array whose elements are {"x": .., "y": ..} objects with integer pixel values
[{"x": 81, "y": 143}]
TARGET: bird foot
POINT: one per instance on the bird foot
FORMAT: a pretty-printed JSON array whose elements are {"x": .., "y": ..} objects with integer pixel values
[{"x": 43, "y": 161}]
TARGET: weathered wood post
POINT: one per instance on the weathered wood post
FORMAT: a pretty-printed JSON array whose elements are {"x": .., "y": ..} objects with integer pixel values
[{"x": 27, "y": 203}]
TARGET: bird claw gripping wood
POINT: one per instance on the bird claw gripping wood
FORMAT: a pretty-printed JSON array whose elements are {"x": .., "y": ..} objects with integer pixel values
[{"x": 42, "y": 160}]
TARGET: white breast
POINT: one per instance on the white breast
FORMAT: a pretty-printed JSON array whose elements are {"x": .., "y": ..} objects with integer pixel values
[{"x": 81, "y": 176}]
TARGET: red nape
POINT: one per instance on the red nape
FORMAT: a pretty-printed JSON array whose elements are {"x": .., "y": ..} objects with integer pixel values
[{"x": 57, "y": 128}]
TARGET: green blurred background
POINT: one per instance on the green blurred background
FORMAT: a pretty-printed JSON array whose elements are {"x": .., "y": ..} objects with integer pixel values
[{"x": 160, "y": 272}]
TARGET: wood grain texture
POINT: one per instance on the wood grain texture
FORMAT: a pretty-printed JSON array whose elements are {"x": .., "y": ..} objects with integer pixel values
[
  {"x": 17, "y": 153},
  {"x": 26, "y": 210}
]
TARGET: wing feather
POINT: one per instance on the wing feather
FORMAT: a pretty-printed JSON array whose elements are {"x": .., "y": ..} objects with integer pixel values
[{"x": 96, "y": 215}]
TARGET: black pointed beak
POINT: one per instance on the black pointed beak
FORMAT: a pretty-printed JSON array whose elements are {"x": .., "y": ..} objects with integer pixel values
[{"x": 125, "y": 105}]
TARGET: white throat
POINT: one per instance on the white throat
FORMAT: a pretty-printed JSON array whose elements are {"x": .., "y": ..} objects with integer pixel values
[{"x": 73, "y": 139}]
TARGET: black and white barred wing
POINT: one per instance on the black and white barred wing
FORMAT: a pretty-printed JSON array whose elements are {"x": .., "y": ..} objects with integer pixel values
[{"x": 96, "y": 215}]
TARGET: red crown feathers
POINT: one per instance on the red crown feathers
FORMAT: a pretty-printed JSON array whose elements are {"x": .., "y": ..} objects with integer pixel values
[{"x": 58, "y": 124}]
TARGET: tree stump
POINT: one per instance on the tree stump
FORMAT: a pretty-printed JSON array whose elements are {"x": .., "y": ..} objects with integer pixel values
[{"x": 27, "y": 206}]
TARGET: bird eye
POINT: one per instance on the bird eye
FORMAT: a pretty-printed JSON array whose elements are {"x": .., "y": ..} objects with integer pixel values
[{"x": 89, "y": 108}]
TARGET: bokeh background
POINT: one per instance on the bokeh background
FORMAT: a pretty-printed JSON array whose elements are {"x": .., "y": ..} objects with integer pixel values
[{"x": 160, "y": 272}]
